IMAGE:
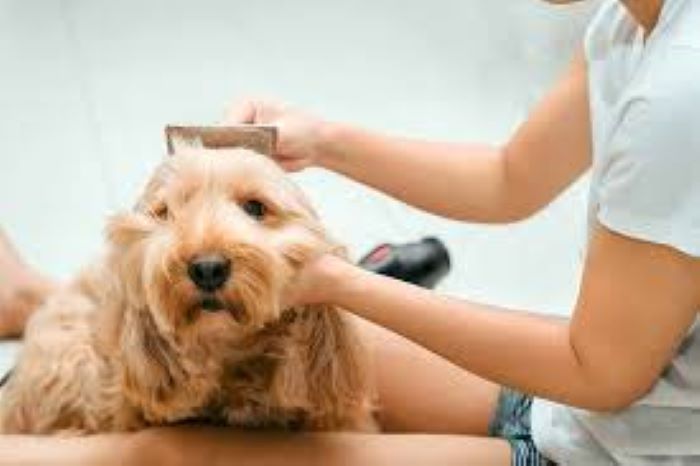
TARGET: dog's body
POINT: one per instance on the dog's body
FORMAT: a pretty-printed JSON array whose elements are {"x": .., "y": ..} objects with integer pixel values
[{"x": 182, "y": 318}]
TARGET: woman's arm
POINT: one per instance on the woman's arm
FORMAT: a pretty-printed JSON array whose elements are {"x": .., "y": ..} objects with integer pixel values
[
  {"x": 636, "y": 303},
  {"x": 473, "y": 182}
]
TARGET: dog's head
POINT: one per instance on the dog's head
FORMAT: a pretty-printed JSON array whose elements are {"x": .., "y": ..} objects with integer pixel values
[
  {"x": 202, "y": 264},
  {"x": 214, "y": 241}
]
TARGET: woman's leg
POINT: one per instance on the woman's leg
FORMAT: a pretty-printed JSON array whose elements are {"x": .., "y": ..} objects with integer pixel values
[
  {"x": 423, "y": 393},
  {"x": 194, "y": 446},
  {"x": 22, "y": 289},
  {"x": 208, "y": 446}
]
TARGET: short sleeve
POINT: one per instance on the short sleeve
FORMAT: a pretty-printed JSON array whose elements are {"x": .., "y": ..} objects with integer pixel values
[{"x": 649, "y": 187}]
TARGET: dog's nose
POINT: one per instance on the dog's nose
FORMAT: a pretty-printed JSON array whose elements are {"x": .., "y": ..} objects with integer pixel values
[{"x": 209, "y": 272}]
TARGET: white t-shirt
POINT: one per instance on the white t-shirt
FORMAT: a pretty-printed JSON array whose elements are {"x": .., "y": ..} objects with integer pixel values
[{"x": 645, "y": 117}]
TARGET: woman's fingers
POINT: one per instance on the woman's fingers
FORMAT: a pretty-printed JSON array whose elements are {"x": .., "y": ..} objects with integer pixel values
[
  {"x": 292, "y": 164},
  {"x": 297, "y": 131},
  {"x": 255, "y": 111},
  {"x": 242, "y": 112}
]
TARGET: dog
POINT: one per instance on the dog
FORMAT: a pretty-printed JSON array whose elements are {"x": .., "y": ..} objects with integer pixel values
[{"x": 183, "y": 319}]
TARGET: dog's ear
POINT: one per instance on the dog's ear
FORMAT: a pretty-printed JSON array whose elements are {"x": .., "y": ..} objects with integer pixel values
[
  {"x": 151, "y": 368},
  {"x": 126, "y": 227},
  {"x": 336, "y": 370}
]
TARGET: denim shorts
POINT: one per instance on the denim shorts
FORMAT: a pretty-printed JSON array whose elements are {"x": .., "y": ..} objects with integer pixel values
[{"x": 512, "y": 423}]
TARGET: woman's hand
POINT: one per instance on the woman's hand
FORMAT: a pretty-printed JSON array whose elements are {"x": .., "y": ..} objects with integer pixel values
[
  {"x": 300, "y": 135},
  {"x": 319, "y": 281}
]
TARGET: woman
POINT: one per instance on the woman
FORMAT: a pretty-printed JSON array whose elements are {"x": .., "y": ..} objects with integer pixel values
[{"x": 617, "y": 383}]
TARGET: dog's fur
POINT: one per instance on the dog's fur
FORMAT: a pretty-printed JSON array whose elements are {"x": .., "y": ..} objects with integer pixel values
[{"x": 130, "y": 344}]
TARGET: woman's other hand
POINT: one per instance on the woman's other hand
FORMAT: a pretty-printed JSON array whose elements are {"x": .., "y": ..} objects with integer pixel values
[{"x": 319, "y": 281}]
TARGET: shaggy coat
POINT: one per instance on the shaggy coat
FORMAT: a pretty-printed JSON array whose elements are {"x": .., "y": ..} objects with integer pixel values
[{"x": 133, "y": 342}]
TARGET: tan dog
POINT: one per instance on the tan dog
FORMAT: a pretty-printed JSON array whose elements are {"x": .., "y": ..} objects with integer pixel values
[{"x": 182, "y": 318}]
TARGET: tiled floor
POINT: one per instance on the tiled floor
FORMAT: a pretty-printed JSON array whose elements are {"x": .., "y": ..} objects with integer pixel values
[{"x": 87, "y": 86}]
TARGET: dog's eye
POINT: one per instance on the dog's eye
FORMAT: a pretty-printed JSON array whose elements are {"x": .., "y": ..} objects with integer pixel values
[
  {"x": 160, "y": 211},
  {"x": 255, "y": 209}
]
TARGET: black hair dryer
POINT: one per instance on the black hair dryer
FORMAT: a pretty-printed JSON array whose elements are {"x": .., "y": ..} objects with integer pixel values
[{"x": 422, "y": 263}]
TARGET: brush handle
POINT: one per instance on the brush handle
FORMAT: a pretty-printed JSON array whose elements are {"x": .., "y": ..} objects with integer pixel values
[{"x": 259, "y": 138}]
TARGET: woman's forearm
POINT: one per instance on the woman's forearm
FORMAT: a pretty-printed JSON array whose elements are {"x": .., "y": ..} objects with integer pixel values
[
  {"x": 528, "y": 352},
  {"x": 459, "y": 181}
]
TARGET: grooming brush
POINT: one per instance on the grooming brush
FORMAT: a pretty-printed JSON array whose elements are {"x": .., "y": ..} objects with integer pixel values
[{"x": 259, "y": 138}]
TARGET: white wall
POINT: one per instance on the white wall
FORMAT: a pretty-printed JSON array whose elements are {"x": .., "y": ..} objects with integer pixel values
[{"x": 87, "y": 86}]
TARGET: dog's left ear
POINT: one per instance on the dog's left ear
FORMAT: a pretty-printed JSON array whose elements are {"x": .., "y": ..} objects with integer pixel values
[{"x": 125, "y": 228}]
